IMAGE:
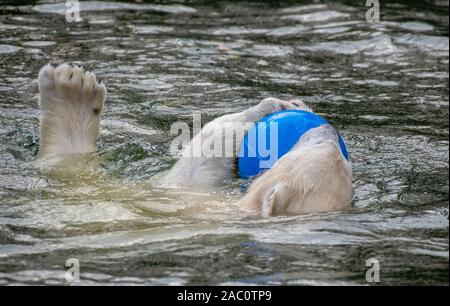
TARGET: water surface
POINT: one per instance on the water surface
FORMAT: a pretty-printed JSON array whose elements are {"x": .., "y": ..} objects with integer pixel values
[{"x": 384, "y": 86}]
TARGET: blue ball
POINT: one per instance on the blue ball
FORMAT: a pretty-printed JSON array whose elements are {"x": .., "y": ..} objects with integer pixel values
[{"x": 292, "y": 124}]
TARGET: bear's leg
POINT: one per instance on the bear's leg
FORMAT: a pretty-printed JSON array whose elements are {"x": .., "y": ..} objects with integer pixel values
[{"x": 71, "y": 102}]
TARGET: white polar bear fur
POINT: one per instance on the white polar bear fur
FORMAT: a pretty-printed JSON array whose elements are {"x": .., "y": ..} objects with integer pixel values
[
  {"x": 71, "y": 102},
  {"x": 312, "y": 177},
  {"x": 203, "y": 171}
]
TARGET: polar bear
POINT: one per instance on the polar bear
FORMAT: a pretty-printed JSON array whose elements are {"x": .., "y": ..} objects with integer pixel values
[{"x": 312, "y": 177}]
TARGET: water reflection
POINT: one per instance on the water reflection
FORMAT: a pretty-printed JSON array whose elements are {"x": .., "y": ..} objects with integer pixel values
[{"x": 385, "y": 86}]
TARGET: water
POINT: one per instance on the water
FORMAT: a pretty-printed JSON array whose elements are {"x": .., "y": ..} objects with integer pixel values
[{"x": 384, "y": 86}]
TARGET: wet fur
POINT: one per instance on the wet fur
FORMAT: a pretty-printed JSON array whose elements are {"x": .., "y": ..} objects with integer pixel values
[{"x": 312, "y": 177}]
